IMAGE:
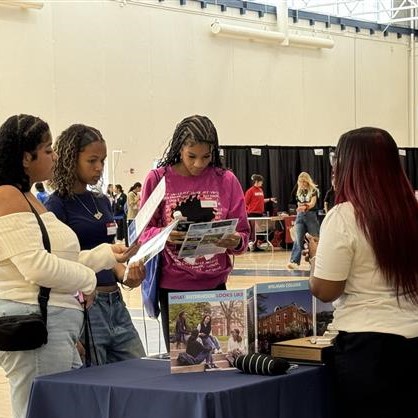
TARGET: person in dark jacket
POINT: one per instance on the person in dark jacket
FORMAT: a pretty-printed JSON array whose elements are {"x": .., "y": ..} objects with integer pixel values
[
  {"x": 119, "y": 213},
  {"x": 181, "y": 329},
  {"x": 197, "y": 350}
]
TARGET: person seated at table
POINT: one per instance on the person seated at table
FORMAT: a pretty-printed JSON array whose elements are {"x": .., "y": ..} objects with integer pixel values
[
  {"x": 235, "y": 346},
  {"x": 254, "y": 205},
  {"x": 205, "y": 334},
  {"x": 198, "y": 351}
]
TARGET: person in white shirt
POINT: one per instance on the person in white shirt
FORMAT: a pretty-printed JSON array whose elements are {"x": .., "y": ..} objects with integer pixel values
[
  {"x": 235, "y": 346},
  {"x": 366, "y": 264},
  {"x": 26, "y": 157}
]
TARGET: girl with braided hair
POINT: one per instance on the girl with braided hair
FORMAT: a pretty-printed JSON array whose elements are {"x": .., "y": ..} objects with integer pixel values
[
  {"x": 27, "y": 157},
  {"x": 200, "y": 188},
  {"x": 81, "y": 152}
]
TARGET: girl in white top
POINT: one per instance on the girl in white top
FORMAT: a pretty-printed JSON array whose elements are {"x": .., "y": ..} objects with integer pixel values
[
  {"x": 235, "y": 346},
  {"x": 366, "y": 262},
  {"x": 26, "y": 157}
]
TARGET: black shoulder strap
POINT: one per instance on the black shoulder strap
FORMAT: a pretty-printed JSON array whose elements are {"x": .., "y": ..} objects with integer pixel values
[{"x": 43, "y": 295}]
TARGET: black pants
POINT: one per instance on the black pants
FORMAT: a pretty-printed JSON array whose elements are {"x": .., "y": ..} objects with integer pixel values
[
  {"x": 163, "y": 298},
  {"x": 122, "y": 231},
  {"x": 371, "y": 372}
]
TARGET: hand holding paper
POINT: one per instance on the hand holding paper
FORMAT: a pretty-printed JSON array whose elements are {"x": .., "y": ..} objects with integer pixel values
[
  {"x": 206, "y": 238},
  {"x": 134, "y": 274},
  {"x": 122, "y": 253},
  {"x": 151, "y": 248},
  {"x": 229, "y": 241}
]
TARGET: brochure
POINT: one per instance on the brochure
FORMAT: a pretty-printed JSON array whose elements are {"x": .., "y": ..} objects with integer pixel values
[
  {"x": 153, "y": 246},
  {"x": 284, "y": 311},
  {"x": 224, "y": 312},
  {"x": 145, "y": 214},
  {"x": 262, "y": 315},
  {"x": 201, "y": 238}
]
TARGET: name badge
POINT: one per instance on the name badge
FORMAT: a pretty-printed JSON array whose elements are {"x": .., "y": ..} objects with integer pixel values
[
  {"x": 111, "y": 228},
  {"x": 208, "y": 204}
]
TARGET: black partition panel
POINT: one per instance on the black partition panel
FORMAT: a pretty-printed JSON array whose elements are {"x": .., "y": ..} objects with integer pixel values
[
  {"x": 411, "y": 166},
  {"x": 281, "y": 165}
]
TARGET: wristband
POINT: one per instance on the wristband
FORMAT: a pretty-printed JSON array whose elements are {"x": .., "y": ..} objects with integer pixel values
[{"x": 312, "y": 258}]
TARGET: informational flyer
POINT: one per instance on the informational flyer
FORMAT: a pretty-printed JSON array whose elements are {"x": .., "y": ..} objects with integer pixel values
[
  {"x": 152, "y": 247},
  {"x": 201, "y": 238},
  {"x": 146, "y": 212}
]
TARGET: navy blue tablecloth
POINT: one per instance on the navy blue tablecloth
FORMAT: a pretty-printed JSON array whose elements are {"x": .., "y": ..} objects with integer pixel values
[{"x": 147, "y": 389}]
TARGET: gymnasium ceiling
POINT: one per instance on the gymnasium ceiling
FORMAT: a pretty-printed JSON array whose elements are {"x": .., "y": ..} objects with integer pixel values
[{"x": 389, "y": 12}]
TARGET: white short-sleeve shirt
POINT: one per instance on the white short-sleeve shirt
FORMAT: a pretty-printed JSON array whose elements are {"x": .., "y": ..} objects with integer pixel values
[{"x": 368, "y": 303}]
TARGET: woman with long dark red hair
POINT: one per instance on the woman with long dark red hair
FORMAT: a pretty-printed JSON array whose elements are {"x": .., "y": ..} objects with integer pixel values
[{"x": 366, "y": 262}]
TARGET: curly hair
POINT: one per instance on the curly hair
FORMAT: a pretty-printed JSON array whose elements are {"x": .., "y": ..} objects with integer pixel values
[
  {"x": 194, "y": 129},
  {"x": 20, "y": 134},
  {"x": 69, "y": 144}
]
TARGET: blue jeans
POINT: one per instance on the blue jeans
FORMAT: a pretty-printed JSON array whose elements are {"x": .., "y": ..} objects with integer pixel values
[
  {"x": 204, "y": 355},
  {"x": 58, "y": 355},
  {"x": 115, "y": 336},
  {"x": 211, "y": 342},
  {"x": 305, "y": 222}
]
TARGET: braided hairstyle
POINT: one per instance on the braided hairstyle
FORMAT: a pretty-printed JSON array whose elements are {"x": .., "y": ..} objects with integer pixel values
[
  {"x": 20, "y": 134},
  {"x": 69, "y": 144},
  {"x": 192, "y": 130}
]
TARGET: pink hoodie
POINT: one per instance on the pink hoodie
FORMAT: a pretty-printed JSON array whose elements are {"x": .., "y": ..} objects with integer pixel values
[{"x": 215, "y": 190}]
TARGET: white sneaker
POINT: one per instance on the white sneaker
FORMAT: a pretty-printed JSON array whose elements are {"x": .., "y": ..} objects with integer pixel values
[
  {"x": 292, "y": 266},
  {"x": 251, "y": 245}
]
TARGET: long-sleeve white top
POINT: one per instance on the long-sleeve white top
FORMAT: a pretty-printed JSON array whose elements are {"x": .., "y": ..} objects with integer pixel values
[{"x": 25, "y": 264}]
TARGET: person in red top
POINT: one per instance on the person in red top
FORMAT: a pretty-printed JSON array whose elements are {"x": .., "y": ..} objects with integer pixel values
[{"x": 254, "y": 205}]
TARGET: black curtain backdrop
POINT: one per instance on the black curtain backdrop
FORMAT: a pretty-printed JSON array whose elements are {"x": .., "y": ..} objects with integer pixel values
[
  {"x": 411, "y": 166},
  {"x": 281, "y": 165}
]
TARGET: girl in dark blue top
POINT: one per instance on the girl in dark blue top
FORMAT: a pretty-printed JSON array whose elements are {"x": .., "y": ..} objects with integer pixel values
[{"x": 81, "y": 152}]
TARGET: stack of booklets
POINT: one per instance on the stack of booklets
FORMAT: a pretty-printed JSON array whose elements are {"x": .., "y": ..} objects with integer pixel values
[{"x": 265, "y": 315}]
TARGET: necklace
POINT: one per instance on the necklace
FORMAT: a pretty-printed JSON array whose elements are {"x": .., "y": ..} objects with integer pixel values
[{"x": 98, "y": 214}]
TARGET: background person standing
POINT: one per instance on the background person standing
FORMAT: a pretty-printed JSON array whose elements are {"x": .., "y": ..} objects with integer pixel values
[
  {"x": 133, "y": 200},
  {"x": 42, "y": 195},
  {"x": 254, "y": 205},
  {"x": 119, "y": 213},
  {"x": 306, "y": 195}
]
